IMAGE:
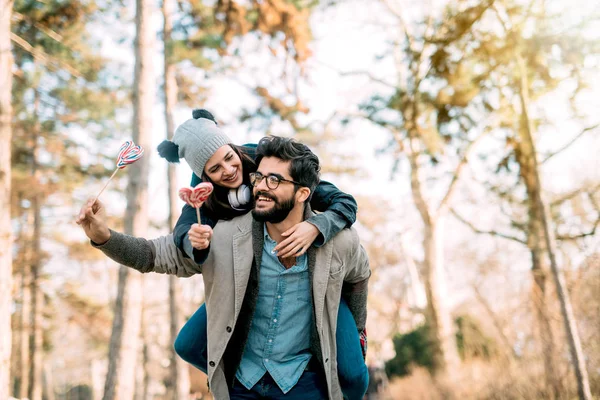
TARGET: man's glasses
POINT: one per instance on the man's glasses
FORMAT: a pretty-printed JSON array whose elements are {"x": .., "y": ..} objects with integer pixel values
[{"x": 273, "y": 181}]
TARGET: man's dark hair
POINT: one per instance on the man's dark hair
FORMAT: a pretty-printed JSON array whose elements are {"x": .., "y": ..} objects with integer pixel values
[{"x": 304, "y": 166}]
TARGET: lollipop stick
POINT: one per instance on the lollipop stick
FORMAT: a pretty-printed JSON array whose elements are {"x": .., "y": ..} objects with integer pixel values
[
  {"x": 198, "y": 215},
  {"x": 112, "y": 176}
]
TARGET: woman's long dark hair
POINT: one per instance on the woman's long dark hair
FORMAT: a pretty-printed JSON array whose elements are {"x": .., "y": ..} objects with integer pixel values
[{"x": 218, "y": 203}]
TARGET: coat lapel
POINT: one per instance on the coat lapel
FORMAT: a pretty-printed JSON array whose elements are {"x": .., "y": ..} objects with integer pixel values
[
  {"x": 242, "y": 264},
  {"x": 319, "y": 264}
]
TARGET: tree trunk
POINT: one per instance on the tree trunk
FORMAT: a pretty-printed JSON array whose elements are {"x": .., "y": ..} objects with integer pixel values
[
  {"x": 445, "y": 353},
  {"x": 36, "y": 348},
  {"x": 442, "y": 338},
  {"x": 125, "y": 337},
  {"x": 48, "y": 383},
  {"x": 539, "y": 268},
  {"x": 178, "y": 368},
  {"x": 6, "y": 62},
  {"x": 36, "y": 341},
  {"x": 145, "y": 379},
  {"x": 25, "y": 334},
  {"x": 539, "y": 210}
]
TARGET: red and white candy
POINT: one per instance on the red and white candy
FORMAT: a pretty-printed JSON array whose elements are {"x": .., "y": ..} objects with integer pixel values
[
  {"x": 128, "y": 154},
  {"x": 196, "y": 196}
]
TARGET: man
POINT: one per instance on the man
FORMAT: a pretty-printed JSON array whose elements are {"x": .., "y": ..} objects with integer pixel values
[{"x": 269, "y": 334}]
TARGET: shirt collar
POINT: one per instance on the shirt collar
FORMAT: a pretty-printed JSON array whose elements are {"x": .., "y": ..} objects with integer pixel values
[{"x": 267, "y": 237}]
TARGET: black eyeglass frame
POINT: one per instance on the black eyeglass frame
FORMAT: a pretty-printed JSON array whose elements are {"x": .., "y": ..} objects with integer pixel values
[{"x": 256, "y": 178}]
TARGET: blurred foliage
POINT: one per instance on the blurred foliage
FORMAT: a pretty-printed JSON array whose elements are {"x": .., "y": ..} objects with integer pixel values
[{"x": 413, "y": 349}]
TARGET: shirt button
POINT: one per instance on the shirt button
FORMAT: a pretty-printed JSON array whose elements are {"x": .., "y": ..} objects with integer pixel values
[
  {"x": 275, "y": 320},
  {"x": 279, "y": 296},
  {"x": 228, "y": 329},
  {"x": 270, "y": 340},
  {"x": 266, "y": 360},
  {"x": 212, "y": 363}
]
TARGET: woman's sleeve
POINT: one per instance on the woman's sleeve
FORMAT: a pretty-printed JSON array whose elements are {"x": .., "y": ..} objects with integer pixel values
[
  {"x": 338, "y": 211},
  {"x": 187, "y": 218},
  {"x": 157, "y": 255}
]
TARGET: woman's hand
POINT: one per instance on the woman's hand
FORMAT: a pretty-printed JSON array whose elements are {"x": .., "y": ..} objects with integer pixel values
[
  {"x": 92, "y": 218},
  {"x": 200, "y": 236},
  {"x": 298, "y": 240}
]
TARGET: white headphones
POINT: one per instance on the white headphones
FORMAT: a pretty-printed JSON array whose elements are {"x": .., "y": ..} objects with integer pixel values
[{"x": 239, "y": 197}]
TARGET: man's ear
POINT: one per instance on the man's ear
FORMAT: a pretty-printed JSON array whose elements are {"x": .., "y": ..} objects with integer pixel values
[{"x": 302, "y": 194}]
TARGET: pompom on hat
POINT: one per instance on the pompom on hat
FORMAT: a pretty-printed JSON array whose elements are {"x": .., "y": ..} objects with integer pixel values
[{"x": 196, "y": 140}]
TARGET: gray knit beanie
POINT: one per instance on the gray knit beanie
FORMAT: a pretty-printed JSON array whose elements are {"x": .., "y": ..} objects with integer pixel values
[{"x": 198, "y": 139}]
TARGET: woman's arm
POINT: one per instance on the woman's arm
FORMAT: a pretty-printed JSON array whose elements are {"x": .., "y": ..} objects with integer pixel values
[
  {"x": 338, "y": 211},
  {"x": 157, "y": 255}
]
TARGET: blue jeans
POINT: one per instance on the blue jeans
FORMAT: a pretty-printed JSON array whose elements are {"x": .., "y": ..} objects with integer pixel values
[
  {"x": 352, "y": 370},
  {"x": 309, "y": 386}
]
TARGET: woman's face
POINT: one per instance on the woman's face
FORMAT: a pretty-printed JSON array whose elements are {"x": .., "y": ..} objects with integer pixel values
[{"x": 224, "y": 168}]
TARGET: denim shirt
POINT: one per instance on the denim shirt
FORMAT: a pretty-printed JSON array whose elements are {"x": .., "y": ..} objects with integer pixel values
[{"x": 279, "y": 337}]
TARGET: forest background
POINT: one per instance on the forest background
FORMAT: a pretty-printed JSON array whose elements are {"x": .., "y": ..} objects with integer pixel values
[{"x": 467, "y": 130}]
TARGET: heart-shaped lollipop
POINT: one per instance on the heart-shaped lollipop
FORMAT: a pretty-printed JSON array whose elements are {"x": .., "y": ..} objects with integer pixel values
[
  {"x": 128, "y": 154},
  {"x": 196, "y": 196}
]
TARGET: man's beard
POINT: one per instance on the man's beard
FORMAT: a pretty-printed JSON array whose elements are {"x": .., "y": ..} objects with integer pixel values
[{"x": 277, "y": 213}]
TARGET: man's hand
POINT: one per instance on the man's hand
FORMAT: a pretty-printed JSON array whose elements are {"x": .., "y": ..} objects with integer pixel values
[
  {"x": 92, "y": 218},
  {"x": 200, "y": 236}
]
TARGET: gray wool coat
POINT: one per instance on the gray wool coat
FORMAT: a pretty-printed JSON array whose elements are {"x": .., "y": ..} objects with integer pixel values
[{"x": 231, "y": 274}]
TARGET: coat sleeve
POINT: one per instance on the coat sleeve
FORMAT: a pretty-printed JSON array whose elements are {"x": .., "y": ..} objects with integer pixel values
[
  {"x": 157, "y": 255},
  {"x": 338, "y": 211}
]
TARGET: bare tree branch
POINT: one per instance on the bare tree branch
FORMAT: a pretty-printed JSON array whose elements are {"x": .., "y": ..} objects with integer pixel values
[
  {"x": 417, "y": 190},
  {"x": 49, "y": 32},
  {"x": 457, "y": 172},
  {"x": 592, "y": 232},
  {"x": 458, "y": 33},
  {"x": 567, "y": 145},
  {"x": 400, "y": 18},
  {"x": 574, "y": 193},
  {"x": 510, "y": 350},
  {"x": 369, "y": 75},
  {"x": 42, "y": 56},
  {"x": 482, "y": 232}
]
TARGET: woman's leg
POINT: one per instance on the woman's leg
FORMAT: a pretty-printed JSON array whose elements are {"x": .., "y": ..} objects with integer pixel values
[
  {"x": 191, "y": 342},
  {"x": 352, "y": 370}
]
